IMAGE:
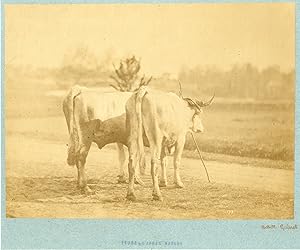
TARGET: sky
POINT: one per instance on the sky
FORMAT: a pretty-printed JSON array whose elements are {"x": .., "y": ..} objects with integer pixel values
[{"x": 167, "y": 36}]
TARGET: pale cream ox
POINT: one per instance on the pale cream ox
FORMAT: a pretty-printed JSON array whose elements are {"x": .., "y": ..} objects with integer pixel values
[
  {"x": 86, "y": 111},
  {"x": 165, "y": 118}
]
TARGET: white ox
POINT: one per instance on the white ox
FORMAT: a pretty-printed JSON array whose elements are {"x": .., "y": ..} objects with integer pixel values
[
  {"x": 165, "y": 118},
  {"x": 94, "y": 116}
]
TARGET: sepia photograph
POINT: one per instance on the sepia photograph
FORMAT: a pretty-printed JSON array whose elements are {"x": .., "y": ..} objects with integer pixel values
[{"x": 149, "y": 111}]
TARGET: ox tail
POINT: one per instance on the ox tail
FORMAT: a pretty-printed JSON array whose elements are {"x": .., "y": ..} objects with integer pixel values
[
  {"x": 69, "y": 111},
  {"x": 140, "y": 143}
]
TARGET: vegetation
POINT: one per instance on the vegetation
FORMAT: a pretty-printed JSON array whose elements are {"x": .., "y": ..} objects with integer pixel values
[{"x": 241, "y": 81}]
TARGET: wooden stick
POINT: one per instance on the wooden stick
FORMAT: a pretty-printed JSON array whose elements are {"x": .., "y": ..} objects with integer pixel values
[{"x": 200, "y": 156}]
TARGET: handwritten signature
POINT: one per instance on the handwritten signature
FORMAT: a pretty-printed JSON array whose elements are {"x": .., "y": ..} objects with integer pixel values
[{"x": 283, "y": 227}]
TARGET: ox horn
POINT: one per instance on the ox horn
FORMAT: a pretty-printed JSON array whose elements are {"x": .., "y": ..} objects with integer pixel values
[
  {"x": 149, "y": 80},
  {"x": 204, "y": 104},
  {"x": 180, "y": 89}
]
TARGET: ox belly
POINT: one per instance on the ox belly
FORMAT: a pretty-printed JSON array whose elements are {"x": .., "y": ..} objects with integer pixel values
[{"x": 112, "y": 130}]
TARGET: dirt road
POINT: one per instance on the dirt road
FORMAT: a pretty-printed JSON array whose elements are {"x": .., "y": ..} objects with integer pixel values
[{"x": 41, "y": 184}]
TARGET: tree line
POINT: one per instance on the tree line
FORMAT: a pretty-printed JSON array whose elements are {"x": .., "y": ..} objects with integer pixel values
[
  {"x": 241, "y": 81},
  {"x": 81, "y": 66}
]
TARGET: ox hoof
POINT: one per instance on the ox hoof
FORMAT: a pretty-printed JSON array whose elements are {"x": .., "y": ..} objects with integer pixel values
[
  {"x": 157, "y": 197},
  {"x": 121, "y": 179},
  {"x": 138, "y": 180},
  {"x": 87, "y": 191},
  {"x": 163, "y": 184},
  {"x": 179, "y": 184},
  {"x": 131, "y": 197}
]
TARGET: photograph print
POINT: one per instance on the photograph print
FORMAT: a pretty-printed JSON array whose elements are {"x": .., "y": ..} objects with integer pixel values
[{"x": 149, "y": 111}]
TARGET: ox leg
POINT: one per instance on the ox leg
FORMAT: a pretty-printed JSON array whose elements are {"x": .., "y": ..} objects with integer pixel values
[
  {"x": 122, "y": 162},
  {"x": 131, "y": 171},
  {"x": 137, "y": 176},
  {"x": 163, "y": 161},
  {"x": 132, "y": 150},
  {"x": 133, "y": 156},
  {"x": 177, "y": 160},
  {"x": 155, "y": 161},
  {"x": 80, "y": 163}
]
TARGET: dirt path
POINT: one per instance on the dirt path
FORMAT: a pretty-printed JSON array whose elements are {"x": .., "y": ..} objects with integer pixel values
[
  {"x": 41, "y": 184},
  {"x": 27, "y": 155},
  {"x": 274, "y": 180}
]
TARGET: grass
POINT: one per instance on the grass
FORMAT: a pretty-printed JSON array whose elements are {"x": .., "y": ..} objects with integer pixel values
[
  {"x": 242, "y": 160},
  {"x": 256, "y": 133}
]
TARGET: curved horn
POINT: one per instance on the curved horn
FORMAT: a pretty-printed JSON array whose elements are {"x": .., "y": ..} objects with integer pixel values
[
  {"x": 180, "y": 89},
  {"x": 204, "y": 104},
  {"x": 149, "y": 80}
]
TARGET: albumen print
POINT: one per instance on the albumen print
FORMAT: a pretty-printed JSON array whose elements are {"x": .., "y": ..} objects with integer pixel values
[{"x": 149, "y": 111}]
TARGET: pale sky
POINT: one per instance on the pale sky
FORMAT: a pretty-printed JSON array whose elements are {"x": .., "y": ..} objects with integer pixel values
[{"x": 165, "y": 36}]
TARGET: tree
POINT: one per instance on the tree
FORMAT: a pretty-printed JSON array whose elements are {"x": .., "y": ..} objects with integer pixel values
[{"x": 127, "y": 74}]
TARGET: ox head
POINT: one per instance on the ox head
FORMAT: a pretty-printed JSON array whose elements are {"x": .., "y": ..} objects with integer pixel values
[{"x": 196, "y": 105}]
